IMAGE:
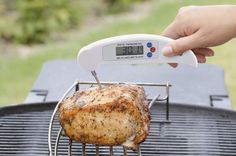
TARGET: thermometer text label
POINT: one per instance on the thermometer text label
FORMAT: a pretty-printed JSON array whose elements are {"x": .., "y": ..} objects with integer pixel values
[{"x": 129, "y": 50}]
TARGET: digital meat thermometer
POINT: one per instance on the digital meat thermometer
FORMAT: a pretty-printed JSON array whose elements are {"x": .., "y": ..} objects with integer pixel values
[{"x": 130, "y": 49}]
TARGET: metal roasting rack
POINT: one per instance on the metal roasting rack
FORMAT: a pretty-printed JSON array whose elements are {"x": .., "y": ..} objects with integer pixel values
[{"x": 76, "y": 87}]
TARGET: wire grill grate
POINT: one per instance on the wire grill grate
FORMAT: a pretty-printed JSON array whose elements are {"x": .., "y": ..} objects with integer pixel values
[{"x": 192, "y": 131}]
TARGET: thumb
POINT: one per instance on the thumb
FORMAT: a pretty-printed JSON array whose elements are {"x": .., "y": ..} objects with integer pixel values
[{"x": 179, "y": 46}]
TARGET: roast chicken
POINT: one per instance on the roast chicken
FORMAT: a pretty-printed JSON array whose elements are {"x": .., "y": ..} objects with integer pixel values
[{"x": 114, "y": 115}]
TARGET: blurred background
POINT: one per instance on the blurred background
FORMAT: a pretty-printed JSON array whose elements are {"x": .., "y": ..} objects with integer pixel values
[{"x": 34, "y": 31}]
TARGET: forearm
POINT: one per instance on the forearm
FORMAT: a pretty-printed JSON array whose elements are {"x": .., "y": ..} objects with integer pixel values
[{"x": 232, "y": 13}]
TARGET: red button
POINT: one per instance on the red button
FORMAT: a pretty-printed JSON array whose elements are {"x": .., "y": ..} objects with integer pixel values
[{"x": 153, "y": 49}]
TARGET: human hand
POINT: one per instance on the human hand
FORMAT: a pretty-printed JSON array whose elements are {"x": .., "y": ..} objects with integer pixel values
[{"x": 200, "y": 27}]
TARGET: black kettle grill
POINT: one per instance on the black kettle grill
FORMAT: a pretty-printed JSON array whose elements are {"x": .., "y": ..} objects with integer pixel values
[{"x": 201, "y": 120}]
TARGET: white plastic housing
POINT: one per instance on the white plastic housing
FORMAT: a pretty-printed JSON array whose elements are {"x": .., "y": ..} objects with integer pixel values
[{"x": 130, "y": 49}]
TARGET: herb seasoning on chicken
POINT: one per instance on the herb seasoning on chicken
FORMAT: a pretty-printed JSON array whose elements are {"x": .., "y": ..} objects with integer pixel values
[{"x": 114, "y": 115}]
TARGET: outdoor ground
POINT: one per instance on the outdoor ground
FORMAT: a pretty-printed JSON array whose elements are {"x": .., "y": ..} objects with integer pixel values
[{"x": 20, "y": 68}]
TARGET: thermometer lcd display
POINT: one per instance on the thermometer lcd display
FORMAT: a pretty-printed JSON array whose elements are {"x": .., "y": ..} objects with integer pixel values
[{"x": 129, "y": 50}]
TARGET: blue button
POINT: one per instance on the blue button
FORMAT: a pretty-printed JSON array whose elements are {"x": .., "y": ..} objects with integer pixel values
[
  {"x": 149, "y": 44},
  {"x": 149, "y": 54}
]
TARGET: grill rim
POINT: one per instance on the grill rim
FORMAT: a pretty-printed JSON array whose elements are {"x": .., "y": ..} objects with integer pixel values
[
  {"x": 41, "y": 106},
  {"x": 26, "y": 107}
]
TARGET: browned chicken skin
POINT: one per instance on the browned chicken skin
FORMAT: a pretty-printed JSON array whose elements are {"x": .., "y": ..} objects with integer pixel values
[{"x": 114, "y": 115}]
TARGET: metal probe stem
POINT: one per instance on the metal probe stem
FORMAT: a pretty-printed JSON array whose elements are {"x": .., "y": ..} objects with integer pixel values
[{"x": 96, "y": 78}]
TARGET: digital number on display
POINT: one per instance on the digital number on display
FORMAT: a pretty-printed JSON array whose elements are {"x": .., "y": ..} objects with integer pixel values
[{"x": 129, "y": 50}]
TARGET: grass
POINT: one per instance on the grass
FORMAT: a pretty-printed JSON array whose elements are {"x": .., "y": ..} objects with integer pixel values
[{"x": 17, "y": 75}]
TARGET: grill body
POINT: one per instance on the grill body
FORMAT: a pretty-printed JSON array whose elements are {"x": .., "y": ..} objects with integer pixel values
[{"x": 192, "y": 131}]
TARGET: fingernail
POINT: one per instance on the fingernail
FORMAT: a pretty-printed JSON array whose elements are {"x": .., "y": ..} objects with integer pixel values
[
  {"x": 167, "y": 51},
  {"x": 211, "y": 54}
]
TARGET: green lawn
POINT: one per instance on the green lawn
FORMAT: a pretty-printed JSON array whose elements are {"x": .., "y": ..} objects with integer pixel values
[{"x": 17, "y": 74}]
